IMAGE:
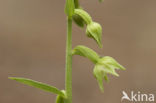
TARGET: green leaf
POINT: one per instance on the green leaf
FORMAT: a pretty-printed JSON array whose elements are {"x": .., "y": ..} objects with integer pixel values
[
  {"x": 84, "y": 15},
  {"x": 94, "y": 30},
  {"x": 39, "y": 85},
  {"x": 86, "y": 52},
  {"x": 69, "y": 8}
]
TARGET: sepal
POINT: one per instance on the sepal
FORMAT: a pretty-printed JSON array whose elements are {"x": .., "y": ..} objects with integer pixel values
[
  {"x": 94, "y": 30},
  {"x": 111, "y": 62}
]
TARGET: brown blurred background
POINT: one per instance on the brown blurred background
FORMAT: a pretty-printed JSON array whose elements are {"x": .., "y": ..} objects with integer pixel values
[{"x": 32, "y": 45}]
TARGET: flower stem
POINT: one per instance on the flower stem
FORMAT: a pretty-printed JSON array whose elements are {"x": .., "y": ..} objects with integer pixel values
[
  {"x": 68, "y": 81},
  {"x": 76, "y": 2}
]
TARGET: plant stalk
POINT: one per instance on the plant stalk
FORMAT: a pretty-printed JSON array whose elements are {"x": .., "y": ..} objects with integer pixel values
[
  {"x": 68, "y": 81},
  {"x": 76, "y": 2}
]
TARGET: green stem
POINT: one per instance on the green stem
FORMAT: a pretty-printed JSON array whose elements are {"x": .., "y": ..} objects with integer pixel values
[
  {"x": 68, "y": 84},
  {"x": 76, "y": 2}
]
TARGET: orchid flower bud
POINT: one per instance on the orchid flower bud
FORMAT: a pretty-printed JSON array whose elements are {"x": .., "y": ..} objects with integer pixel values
[
  {"x": 94, "y": 30},
  {"x": 84, "y": 15},
  {"x": 78, "y": 20}
]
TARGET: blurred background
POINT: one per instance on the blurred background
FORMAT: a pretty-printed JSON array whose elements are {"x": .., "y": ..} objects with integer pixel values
[{"x": 32, "y": 45}]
